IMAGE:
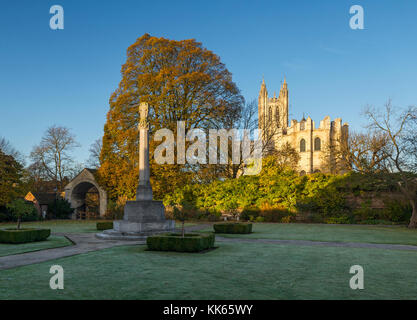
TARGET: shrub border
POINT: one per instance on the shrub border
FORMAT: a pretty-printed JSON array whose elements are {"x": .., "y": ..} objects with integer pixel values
[
  {"x": 192, "y": 242},
  {"x": 104, "y": 225},
  {"x": 12, "y": 235},
  {"x": 233, "y": 228}
]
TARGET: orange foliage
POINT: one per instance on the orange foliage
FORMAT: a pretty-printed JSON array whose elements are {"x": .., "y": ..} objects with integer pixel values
[{"x": 181, "y": 81}]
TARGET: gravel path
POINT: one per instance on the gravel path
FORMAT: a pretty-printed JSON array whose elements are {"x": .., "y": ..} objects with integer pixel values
[{"x": 83, "y": 242}]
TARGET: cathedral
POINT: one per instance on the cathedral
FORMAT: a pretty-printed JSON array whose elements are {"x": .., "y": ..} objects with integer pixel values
[{"x": 313, "y": 144}]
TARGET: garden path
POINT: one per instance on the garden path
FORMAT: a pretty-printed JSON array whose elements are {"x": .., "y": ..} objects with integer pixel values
[{"x": 87, "y": 242}]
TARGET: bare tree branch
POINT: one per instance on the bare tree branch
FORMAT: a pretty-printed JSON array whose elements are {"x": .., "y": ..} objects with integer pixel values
[
  {"x": 399, "y": 127},
  {"x": 51, "y": 158}
]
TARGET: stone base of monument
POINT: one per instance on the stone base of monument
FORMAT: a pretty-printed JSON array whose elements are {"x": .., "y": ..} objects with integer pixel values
[{"x": 140, "y": 220}]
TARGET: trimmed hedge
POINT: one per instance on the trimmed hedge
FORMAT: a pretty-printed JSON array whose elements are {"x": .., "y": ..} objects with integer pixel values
[
  {"x": 233, "y": 227},
  {"x": 23, "y": 235},
  {"x": 192, "y": 242},
  {"x": 105, "y": 225}
]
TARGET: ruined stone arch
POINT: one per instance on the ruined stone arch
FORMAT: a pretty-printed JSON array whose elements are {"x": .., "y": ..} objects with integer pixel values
[{"x": 76, "y": 189}]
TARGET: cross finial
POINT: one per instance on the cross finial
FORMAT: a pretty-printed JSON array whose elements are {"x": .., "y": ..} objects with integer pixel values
[
  {"x": 143, "y": 113},
  {"x": 143, "y": 110}
]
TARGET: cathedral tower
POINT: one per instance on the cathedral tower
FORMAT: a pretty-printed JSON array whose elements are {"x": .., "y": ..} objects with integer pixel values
[
  {"x": 273, "y": 111},
  {"x": 310, "y": 142}
]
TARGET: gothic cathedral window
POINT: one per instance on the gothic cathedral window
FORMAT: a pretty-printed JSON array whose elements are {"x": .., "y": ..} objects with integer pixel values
[
  {"x": 277, "y": 117},
  {"x": 270, "y": 114},
  {"x": 317, "y": 144},
  {"x": 302, "y": 145}
]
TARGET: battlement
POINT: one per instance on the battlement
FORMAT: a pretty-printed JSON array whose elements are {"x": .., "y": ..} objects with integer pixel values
[{"x": 310, "y": 125}]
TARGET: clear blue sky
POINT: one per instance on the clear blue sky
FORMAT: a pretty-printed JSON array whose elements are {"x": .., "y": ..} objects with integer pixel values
[{"x": 66, "y": 77}]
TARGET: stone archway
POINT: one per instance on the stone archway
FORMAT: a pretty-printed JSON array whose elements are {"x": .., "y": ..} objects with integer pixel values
[{"x": 76, "y": 190}]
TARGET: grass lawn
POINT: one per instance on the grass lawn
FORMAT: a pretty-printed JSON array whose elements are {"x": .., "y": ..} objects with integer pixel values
[
  {"x": 233, "y": 271},
  {"x": 52, "y": 242},
  {"x": 66, "y": 226},
  {"x": 330, "y": 232}
]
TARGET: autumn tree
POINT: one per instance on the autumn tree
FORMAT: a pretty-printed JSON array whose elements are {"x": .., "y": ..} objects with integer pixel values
[
  {"x": 52, "y": 160},
  {"x": 245, "y": 118},
  {"x": 181, "y": 81}
]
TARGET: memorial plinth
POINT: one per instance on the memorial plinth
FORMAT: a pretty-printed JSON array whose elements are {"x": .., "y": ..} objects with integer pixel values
[{"x": 144, "y": 216}]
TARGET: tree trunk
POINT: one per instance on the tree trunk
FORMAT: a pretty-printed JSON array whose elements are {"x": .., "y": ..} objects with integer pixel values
[
  {"x": 18, "y": 223},
  {"x": 413, "y": 219},
  {"x": 183, "y": 230}
]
